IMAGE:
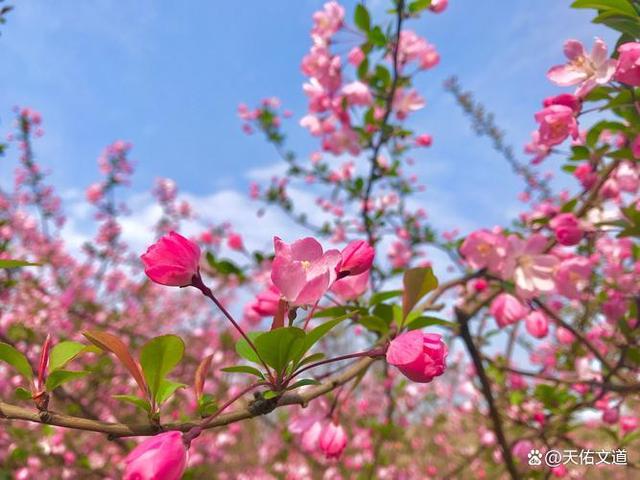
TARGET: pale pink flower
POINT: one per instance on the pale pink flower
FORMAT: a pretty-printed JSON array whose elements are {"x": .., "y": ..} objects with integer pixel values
[
  {"x": 302, "y": 272},
  {"x": 583, "y": 69},
  {"x": 351, "y": 287},
  {"x": 94, "y": 193},
  {"x": 407, "y": 102},
  {"x": 572, "y": 276},
  {"x": 399, "y": 254},
  {"x": 485, "y": 249},
  {"x": 532, "y": 270},
  {"x": 357, "y": 93},
  {"x": 568, "y": 229},
  {"x": 355, "y": 56},
  {"x": 328, "y": 21}
]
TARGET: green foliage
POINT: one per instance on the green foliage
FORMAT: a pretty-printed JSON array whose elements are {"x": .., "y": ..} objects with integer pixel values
[
  {"x": 64, "y": 352},
  {"x": 59, "y": 377},
  {"x": 16, "y": 359},
  {"x": 417, "y": 283},
  {"x": 6, "y": 263},
  {"x": 158, "y": 357},
  {"x": 361, "y": 18}
]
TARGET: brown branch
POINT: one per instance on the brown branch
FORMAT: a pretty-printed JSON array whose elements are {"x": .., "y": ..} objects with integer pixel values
[{"x": 114, "y": 430}]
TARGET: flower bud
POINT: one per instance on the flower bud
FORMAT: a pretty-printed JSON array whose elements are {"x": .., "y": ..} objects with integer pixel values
[
  {"x": 162, "y": 456},
  {"x": 173, "y": 260},
  {"x": 419, "y": 356},
  {"x": 357, "y": 258},
  {"x": 333, "y": 440}
]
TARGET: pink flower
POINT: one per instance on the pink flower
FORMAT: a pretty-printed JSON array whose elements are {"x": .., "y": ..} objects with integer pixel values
[
  {"x": 567, "y": 228},
  {"x": 399, "y": 254},
  {"x": 572, "y": 277},
  {"x": 328, "y": 21},
  {"x": 521, "y": 449},
  {"x": 629, "y": 423},
  {"x": 484, "y": 249},
  {"x": 424, "y": 140},
  {"x": 564, "y": 336},
  {"x": 357, "y": 93},
  {"x": 419, "y": 356},
  {"x": 566, "y": 99},
  {"x": 628, "y": 70},
  {"x": 266, "y": 302},
  {"x": 351, "y": 287},
  {"x": 94, "y": 193},
  {"x": 357, "y": 257},
  {"x": 557, "y": 122},
  {"x": 234, "y": 241},
  {"x": 163, "y": 456},
  {"x": 355, "y": 56},
  {"x": 532, "y": 270},
  {"x": 586, "y": 71},
  {"x": 407, "y": 102},
  {"x": 173, "y": 260},
  {"x": 537, "y": 324},
  {"x": 611, "y": 415},
  {"x": 438, "y": 6},
  {"x": 333, "y": 440},
  {"x": 507, "y": 309},
  {"x": 628, "y": 177},
  {"x": 302, "y": 272}
]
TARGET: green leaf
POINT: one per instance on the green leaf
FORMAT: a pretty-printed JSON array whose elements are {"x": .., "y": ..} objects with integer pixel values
[
  {"x": 419, "y": 5},
  {"x": 383, "y": 296},
  {"x": 57, "y": 378},
  {"x": 207, "y": 405},
  {"x": 594, "y": 134},
  {"x": 23, "y": 394},
  {"x": 278, "y": 347},
  {"x": 375, "y": 324},
  {"x": 303, "y": 383},
  {"x": 243, "y": 369},
  {"x": 63, "y": 353},
  {"x": 167, "y": 388},
  {"x": 316, "y": 334},
  {"x": 330, "y": 312},
  {"x": 6, "y": 263},
  {"x": 417, "y": 283},
  {"x": 16, "y": 359},
  {"x": 315, "y": 357},
  {"x": 158, "y": 357},
  {"x": 245, "y": 351},
  {"x": 569, "y": 206},
  {"x": 361, "y": 18},
  {"x": 140, "y": 403},
  {"x": 427, "y": 321},
  {"x": 621, "y": 6}
]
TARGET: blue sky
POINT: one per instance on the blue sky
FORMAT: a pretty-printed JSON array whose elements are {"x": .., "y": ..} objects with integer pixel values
[{"x": 168, "y": 76}]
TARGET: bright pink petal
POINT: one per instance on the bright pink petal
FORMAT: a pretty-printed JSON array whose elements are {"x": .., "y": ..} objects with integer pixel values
[{"x": 406, "y": 348}]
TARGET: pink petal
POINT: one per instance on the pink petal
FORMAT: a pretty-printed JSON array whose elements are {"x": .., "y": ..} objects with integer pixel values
[
  {"x": 307, "y": 249},
  {"x": 288, "y": 276},
  {"x": 599, "y": 51},
  {"x": 564, "y": 75},
  {"x": 406, "y": 348},
  {"x": 574, "y": 49}
]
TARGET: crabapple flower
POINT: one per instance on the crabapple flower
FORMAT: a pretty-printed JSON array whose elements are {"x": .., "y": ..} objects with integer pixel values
[
  {"x": 266, "y": 302},
  {"x": 583, "y": 69},
  {"x": 567, "y": 229},
  {"x": 628, "y": 70},
  {"x": 333, "y": 440},
  {"x": 532, "y": 270},
  {"x": 357, "y": 93},
  {"x": 357, "y": 258},
  {"x": 302, "y": 272},
  {"x": 566, "y": 99},
  {"x": 557, "y": 122},
  {"x": 351, "y": 287},
  {"x": 234, "y": 241},
  {"x": 484, "y": 249},
  {"x": 419, "y": 356},
  {"x": 438, "y": 6},
  {"x": 572, "y": 277},
  {"x": 94, "y": 193},
  {"x": 507, "y": 309},
  {"x": 424, "y": 140},
  {"x": 537, "y": 324},
  {"x": 163, "y": 456},
  {"x": 173, "y": 260}
]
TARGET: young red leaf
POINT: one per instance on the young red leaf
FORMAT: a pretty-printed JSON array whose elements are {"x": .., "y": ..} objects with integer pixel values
[{"x": 201, "y": 375}]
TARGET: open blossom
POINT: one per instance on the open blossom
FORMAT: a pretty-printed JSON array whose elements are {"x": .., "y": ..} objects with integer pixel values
[
  {"x": 413, "y": 47},
  {"x": 583, "y": 69},
  {"x": 333, "y": 440},
  {"x": 629, "y": 64},
  {"x": 532, "y": 270},
  {"x": 163, "y": 456},
  {"x": 537, "y": 324},
  {"x": 539, "y": 150},
  {"x": 507, "y": 309},
  {"x": 399, "y": 254},
  {"x": 419, "y": 356},
  {"x": 557, "y": 122},
  {"x": 572, "y": 276},
  {"x": 94, "y": 193},
  {"x": 567, "y": 228},
  {"x": 357, "y": 93},
  {"x": 407, "y": 102},
  {"x": 327, "y": 21},
  {"x": 352, "y": 286},
  {"x": 302, "y": 272},
  {"x": 357, "y": 257},
  {"x": 485, "y": 249},
  {"x": 173, "y": 260}
]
